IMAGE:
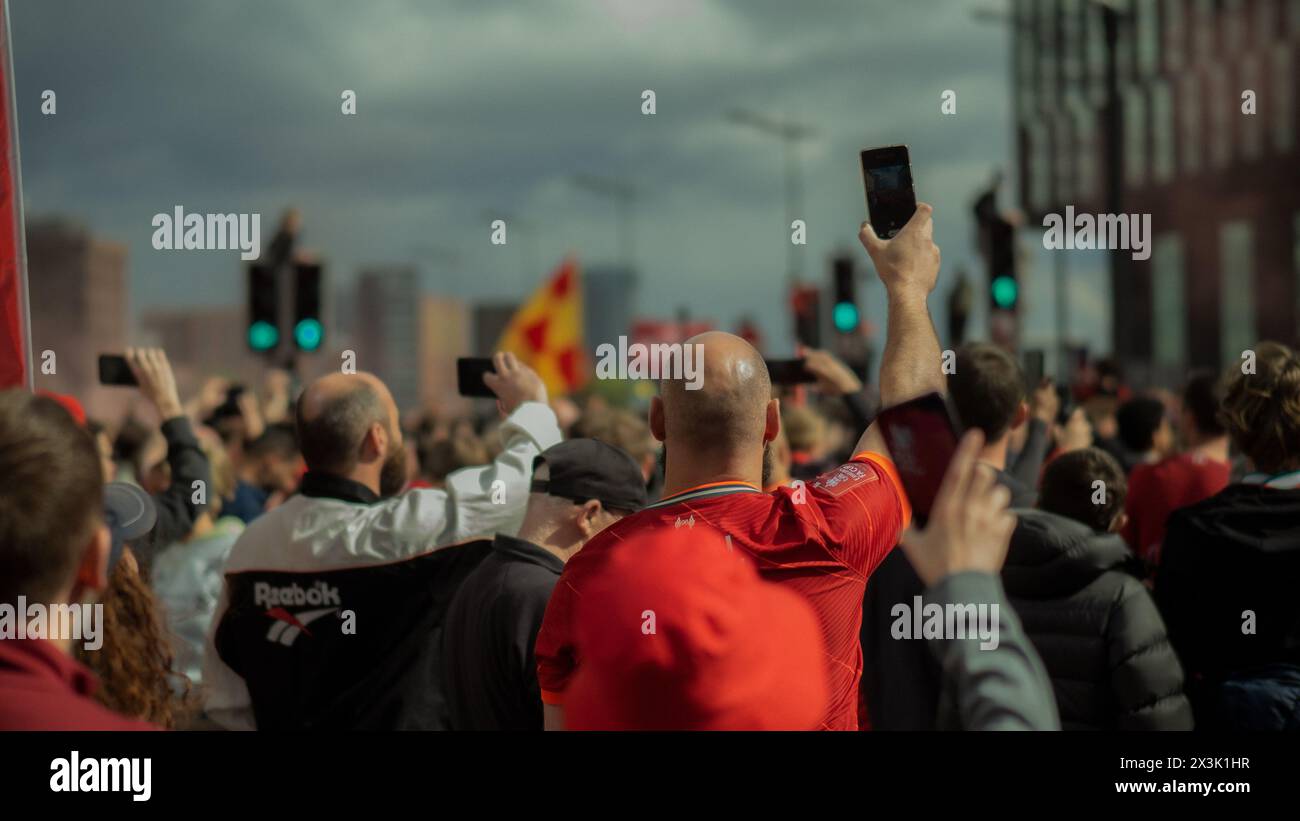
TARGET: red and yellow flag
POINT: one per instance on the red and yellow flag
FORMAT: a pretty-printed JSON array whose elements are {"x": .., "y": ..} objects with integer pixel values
[{"x": 546, "y": 331}]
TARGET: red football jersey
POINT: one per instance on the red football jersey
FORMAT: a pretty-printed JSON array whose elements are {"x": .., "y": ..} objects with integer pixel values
[
  {"x": 821, "y": 540},
  {"x": 1155, "y": 491}
]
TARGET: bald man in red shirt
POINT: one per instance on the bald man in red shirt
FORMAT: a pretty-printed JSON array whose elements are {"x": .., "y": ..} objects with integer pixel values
[{"x": 822, "y": 540}]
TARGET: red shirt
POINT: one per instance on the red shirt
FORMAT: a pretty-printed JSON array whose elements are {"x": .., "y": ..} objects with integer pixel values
[
  {"x": 43, "y": 688},
  {"x": 821, "y": 540},
  {"x": 1157, "y": 490}
]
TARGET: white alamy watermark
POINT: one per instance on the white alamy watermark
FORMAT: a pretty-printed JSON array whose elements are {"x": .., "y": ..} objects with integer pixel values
[
  {"x": 58, "y": 622},
  {"x": 657, "y": 360},
  {"x": 951, "y": 621},
  {"x": 180, "y": 231},
  {"x": 128, "y": 775},
  {"x": 1123, "y": 232}
]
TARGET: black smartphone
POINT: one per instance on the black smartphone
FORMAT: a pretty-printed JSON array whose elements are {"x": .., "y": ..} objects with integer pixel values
[
  {"x": 887, "y": 176},
  {"x": 469, "y": 376},
  {"x": 789, "y": 372},
  {"x": 1033, "y": 365},
  {"x": 921, "y": 435},
  {"x": 113, "y": 370}
]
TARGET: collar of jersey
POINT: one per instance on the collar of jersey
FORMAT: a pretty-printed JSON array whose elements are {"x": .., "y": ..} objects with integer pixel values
[{"x": 706, "y": 492}]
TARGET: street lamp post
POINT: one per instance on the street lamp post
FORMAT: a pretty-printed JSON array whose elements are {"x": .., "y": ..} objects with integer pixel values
[{"x": 790, "y": 133}]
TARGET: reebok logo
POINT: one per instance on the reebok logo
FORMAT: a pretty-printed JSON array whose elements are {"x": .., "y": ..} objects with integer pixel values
[
  {"x": 264, "y": 595},
  {"x": 288, "y": 627}
]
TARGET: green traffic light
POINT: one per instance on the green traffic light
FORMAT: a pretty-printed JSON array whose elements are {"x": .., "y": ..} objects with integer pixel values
[
  {"x": 845, "y": 317},
  {"x": 308, "y": 333},
  {"x": 262, "y": 336},
  {"x": 1005, "y": 291}
]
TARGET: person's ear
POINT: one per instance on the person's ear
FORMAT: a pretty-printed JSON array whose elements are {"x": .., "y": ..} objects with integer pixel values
[
  {"x": 1119, "y": 522},
  {"x": 1022, "y": 414},
  {"x": 585, "y": 519},
  {"x": 772, "y": 425},
  {"x": 93, "y": 569},
  {"x": 657, "y": 425},
  {"x": 375, "y": 445}
]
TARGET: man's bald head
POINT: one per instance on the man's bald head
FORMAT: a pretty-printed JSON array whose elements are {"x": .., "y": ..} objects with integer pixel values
[
  {"x": 729, "y": 411},
  {"x": 334, "y": 415}
]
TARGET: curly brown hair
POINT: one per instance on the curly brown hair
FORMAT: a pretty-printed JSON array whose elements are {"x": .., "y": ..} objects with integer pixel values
[
  {"x": 134, "y": 664},
  {"x": 1261, "y": 410}
]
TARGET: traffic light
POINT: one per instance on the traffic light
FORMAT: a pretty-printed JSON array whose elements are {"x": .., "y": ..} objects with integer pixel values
[
  {"x": 1004, "y": 284},
  {"x": 263, "y": 309},
  {"x": 308, "y": 330},
  {"x": 805, "y": 300},
  {"x": 844, "y": 314}
]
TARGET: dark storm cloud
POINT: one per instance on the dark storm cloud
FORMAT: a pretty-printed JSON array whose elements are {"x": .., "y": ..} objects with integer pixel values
[{"x": 467, "y": 107}]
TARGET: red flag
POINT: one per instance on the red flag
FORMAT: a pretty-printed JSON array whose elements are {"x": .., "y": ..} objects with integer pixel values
[{"x": 15, "y": 341}]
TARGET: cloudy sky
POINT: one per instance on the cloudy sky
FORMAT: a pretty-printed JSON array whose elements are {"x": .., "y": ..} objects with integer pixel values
[{"x": 475, "y": 107}]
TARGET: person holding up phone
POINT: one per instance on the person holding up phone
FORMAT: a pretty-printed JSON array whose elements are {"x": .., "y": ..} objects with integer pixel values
[
  {"x": 822, "y": 541},
  {"x": 352, "y": 542},
  {"x": 172, "y": 482},
  {"x": 959, "y": 556}
]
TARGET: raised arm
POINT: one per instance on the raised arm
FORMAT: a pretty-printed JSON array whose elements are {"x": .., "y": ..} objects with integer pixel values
[{"x": 908, "y": 265}]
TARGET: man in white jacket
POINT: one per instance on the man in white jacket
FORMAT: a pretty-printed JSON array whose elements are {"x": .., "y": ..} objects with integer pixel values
[{"x": 333, "y": 601}]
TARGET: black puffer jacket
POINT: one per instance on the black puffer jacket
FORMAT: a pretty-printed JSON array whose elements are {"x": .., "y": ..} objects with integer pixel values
[{"x": 1095, "y": 627}]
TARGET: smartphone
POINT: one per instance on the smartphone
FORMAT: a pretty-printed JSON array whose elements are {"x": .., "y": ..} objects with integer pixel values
[
  {"x": 113, "y": 370},
  {"x": 921, "y": 435},
  {"x": 1033, "y": 365},
  {"x": 887, "y": 176},
  {"x": 469, "y": 376},
  {"x": 789, "y": 372}
]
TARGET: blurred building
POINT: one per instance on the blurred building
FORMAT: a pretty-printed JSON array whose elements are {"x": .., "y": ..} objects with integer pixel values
[
  {"x": 409, "y": 340},
  {"x": 444, "y": 336},
  {"x": 203, "y": 342},
  {"x": 78, "y": 294},
  {"x": 490, "y": 321},
  {"x": 608, "y": 297},
  {"x": 1138, "y": 108}
]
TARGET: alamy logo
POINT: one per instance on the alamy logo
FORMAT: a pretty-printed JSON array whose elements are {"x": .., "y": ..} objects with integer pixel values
[
  {"x": 678, "y": 361},
  {"x": 1126, "y": 232},
  {"x": 954, "y": 621},
  {"x": 77, "y": 774},
  {"x": 208, "y": 232}
]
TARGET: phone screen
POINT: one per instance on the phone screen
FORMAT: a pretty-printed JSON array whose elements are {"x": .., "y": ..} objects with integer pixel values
[
  {"x": 887, "y": 177},
  {"x": 922, "y": 439},
  {"x": 788, "y": 372},
  {"x": 1033, "y": 368},
  {"x": 469, "y": 376},
  {"x": 114, "y": 370}
]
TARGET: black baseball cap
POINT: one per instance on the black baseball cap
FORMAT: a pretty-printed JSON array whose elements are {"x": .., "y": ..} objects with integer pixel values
[
  {"x": 583, "y": 469},
  {"x": 129, "y": 513}
]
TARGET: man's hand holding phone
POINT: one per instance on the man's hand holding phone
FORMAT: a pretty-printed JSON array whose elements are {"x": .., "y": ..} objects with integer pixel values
[
  {"x": 514, "y": 383},
  {"x": 908, "y": 264},
  {"x": 970, "y": 526},
  {"x": 157, "y": 382}
]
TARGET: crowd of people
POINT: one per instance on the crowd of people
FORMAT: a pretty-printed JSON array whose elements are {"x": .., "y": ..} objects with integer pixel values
[{"x": 724, "y": 561}]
